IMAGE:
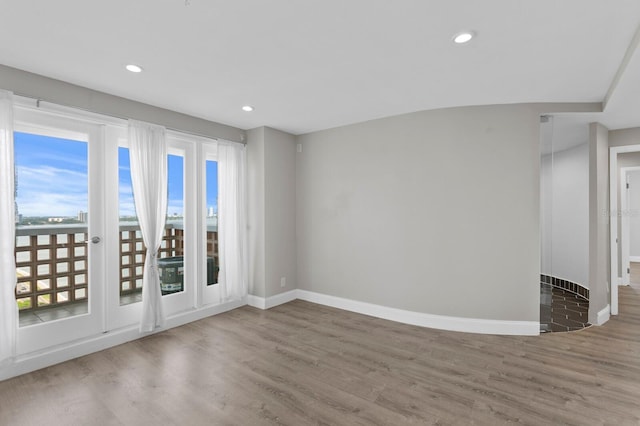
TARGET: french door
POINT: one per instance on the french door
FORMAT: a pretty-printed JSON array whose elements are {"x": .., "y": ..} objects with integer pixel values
[
  {"x": 79, "y": 250},
  {"x": 59, "y": 229}
]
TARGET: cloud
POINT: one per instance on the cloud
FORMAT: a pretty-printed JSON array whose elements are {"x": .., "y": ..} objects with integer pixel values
[
  {"x": 52, "y": 205},
  {"x": 51, "y": 191}
]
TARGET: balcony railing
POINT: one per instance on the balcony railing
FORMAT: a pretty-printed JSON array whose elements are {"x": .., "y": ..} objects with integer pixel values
[{"x": 52, "y": 261}]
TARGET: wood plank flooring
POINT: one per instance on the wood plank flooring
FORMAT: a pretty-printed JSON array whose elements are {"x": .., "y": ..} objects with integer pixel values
[{"x": 306, "y": 364}]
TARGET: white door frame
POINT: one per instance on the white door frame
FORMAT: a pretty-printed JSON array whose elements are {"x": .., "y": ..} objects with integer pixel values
[
  {"x": 613, "y": 216},
  {"x": 625, "y": 226},
  {"x": 44, "y": 335}
]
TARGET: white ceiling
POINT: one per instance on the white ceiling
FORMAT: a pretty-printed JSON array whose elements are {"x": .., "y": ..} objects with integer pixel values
[{"x": 312, "y": 65}]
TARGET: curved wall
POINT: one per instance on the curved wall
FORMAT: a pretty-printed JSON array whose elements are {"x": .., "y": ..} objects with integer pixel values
[
  {"x": 565, "y": 221},
  {"x": 435, "y": 212}
]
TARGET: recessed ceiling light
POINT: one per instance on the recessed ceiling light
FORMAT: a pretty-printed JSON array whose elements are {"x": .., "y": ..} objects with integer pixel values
[
  {"x": 133, "y": 68},
  {"x": 247, "y": 108},
  {"x": 463, "y": 37}
]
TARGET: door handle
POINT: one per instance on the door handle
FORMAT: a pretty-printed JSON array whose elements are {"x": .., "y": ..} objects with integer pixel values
[{"x": 94, "y": 240}]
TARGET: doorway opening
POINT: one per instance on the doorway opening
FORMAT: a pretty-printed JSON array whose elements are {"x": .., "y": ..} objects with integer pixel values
[{"x": 624, "y": 178}]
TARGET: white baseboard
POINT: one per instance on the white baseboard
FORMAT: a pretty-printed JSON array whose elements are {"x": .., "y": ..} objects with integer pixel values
[
  {"x": 270, "y": 302},
  {"x": 55, "y": 355},
  {"x": 604, "y": 315},
  {"x": 257, "y": 301},
  {"x": 634, "y": 258},
  {"x": 469, "y": 325}
]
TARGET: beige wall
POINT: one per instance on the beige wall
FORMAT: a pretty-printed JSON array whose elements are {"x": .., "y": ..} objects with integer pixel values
[
  {"x": 434, "y": 212},
  {"x": 272, "y": 221},
  {"x": 256, "y": 211},
  {"x": 280, "y": 211}
]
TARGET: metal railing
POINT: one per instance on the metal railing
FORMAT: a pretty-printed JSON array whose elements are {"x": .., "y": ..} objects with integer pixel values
[
  {"x": 51, "y": 265},
  {"x": 52, "y": 261}
]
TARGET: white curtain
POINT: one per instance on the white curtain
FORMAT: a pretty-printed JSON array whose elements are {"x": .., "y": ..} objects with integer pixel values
[
  {"x": 148, "y": 157},
  {"x": 232, "y": 220},
  {"x": 8, "y": 307}
]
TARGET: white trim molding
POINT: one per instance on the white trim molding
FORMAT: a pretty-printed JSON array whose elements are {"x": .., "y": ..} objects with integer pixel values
[
  {"x": 604, "y": 315},
  {"x": 270, "y": 302},
  {"x": 441, "y": 322},
  {"x": 613, "y": 222},
  {"x": 634, "y": 258},
  {"x": 468, "y": 325}
]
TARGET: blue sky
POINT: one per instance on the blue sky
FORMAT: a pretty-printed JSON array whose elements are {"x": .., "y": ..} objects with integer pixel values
[
  {"x": 52, "y": 175},
  {"x": 52, "y": 178}
]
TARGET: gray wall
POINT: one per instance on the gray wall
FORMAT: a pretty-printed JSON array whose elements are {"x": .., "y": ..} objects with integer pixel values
[
  {"x": 566, "y": 232},
  {"x": 272, "y": 220},
  {"x": 256, "y": 211},
  {"x": 280, "y": 211},
  {"x": 435, "y": 212},
  {"x": 39, "y": 87},
  {"x": 599, "y": 260}
]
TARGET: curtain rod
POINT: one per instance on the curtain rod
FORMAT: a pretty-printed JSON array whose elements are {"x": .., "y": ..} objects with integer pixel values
[{"x": 38, "y": 100}]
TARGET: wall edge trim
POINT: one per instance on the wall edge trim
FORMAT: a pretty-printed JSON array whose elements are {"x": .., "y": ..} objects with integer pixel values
[
  {"x": 603, "y": 315},
  {"x": 272, "y": 301},
  {"x": 441, "y": 322}
]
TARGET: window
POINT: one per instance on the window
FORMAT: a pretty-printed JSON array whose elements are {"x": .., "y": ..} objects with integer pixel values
[
  {"x": 132, "y": 251},
  {"x": 171, "y": 265},
  {"x": 211, "y": 220},
  {"x": 51, "y": 225}
]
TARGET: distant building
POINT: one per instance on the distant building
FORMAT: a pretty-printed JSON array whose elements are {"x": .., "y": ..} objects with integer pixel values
[
  {"x": 210, "y": 212},
  {"x": 55, "y": 219},
  {"x": 83, "y": 216}
]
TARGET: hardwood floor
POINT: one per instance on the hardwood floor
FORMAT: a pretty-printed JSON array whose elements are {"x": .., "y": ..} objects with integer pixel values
[
  {"x": 634, "y": 277},
  {"x": 302, "y": 364}
]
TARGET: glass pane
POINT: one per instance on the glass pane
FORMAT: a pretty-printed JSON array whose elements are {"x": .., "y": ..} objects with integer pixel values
[
  {"x": 51, "y": 200},
  {"x": 171, "y": 262},
  {"x": 564, "y": 202},
  {"x": 24, "y": 303},
  {"x": 44, "y": 300},
  {"x": 129, "y": 230},
  {"x": 546, "y": 191},
  {"x": 211, "y": 183}
]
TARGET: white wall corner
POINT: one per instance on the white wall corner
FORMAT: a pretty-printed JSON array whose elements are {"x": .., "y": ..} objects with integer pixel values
[
  {"x": 281, "y": 298},
  {"x": 604, "y": 315},
  {"x": 256, "y": 301},
  {"x": 270, "y": 302}
]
